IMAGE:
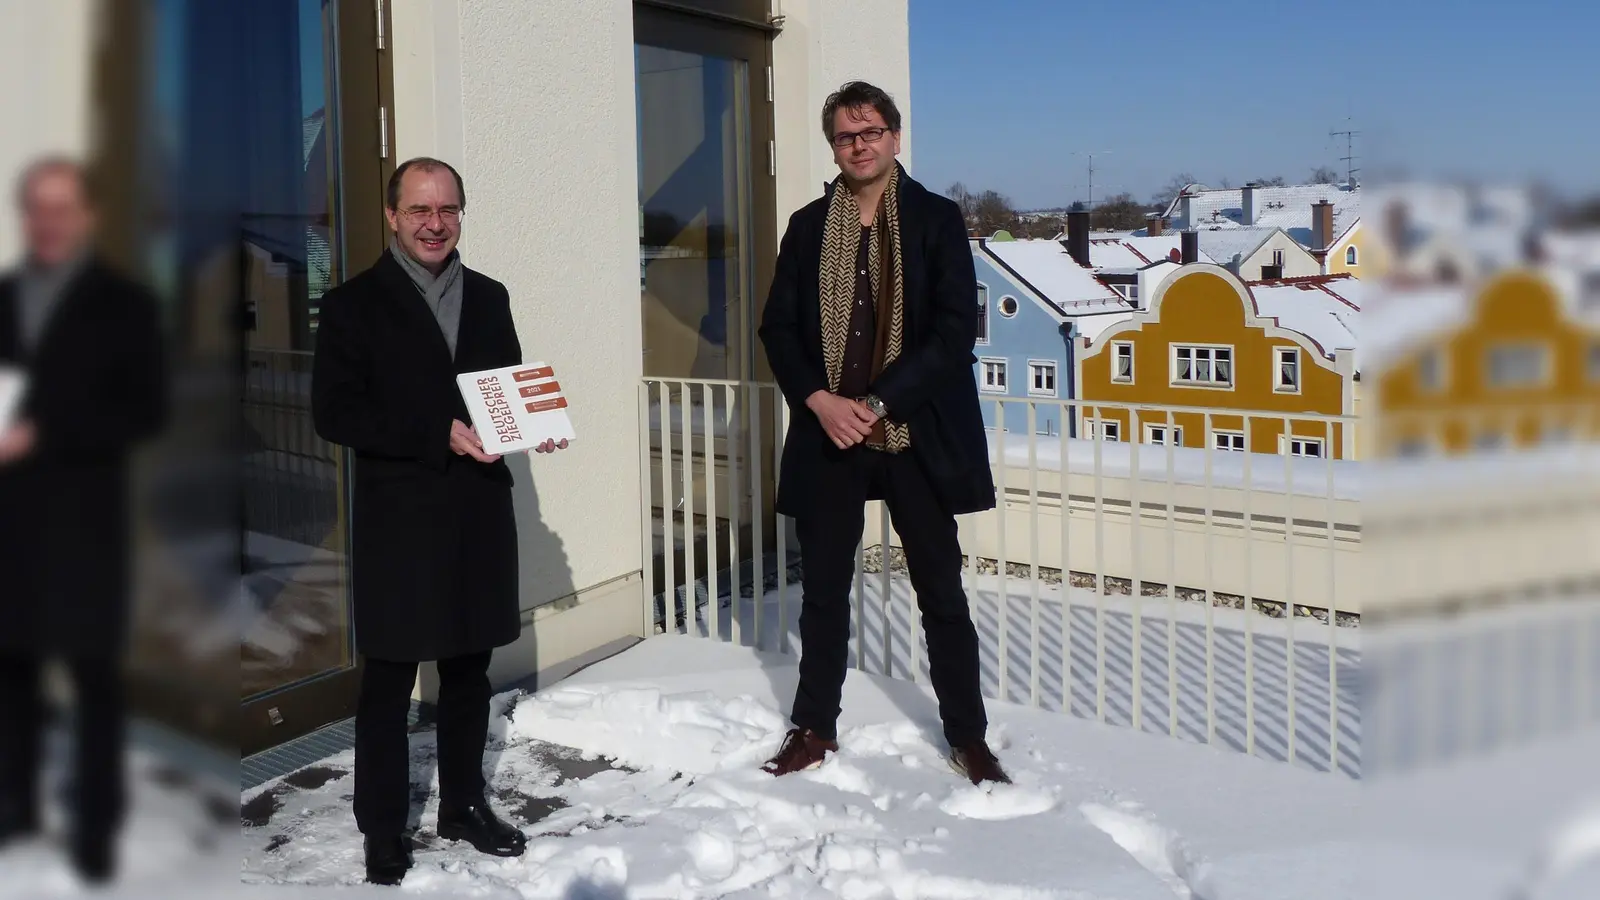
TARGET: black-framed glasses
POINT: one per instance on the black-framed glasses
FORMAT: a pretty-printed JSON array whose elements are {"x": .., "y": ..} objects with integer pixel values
[
  {"x": 847, "y": 138},
  {"x": 420, "y": 215}
]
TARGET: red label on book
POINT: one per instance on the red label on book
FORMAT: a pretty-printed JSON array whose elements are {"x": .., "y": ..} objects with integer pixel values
[
  {"x": 531, "y": 374},
  {"x": 546, "y": 405},
  {"x": 534, "y": 390}
]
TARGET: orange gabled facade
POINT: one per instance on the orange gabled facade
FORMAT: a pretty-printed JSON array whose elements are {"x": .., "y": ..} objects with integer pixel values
[
  {"x": 1202, "y": 344},
  {"x": 1514, "y": 367}
]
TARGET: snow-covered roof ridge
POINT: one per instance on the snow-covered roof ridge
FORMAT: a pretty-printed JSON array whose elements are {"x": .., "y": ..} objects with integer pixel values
[
  {"x": 1287, "y": 207},
  {"x": 1059, "y": 283}
]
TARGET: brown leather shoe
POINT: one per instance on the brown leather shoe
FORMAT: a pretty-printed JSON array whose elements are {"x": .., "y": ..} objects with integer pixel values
[
  {"x": 978, "y": 764},
  {"x": 802, "y": 749}
]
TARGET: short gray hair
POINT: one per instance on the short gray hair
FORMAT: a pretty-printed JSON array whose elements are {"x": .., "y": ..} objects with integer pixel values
[{"x": 56, "y": 164}]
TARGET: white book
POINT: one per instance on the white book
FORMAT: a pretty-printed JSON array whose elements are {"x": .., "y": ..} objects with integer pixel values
[
  {"x": 516, "y": 408},
  {"x": 13, "y": 384}
]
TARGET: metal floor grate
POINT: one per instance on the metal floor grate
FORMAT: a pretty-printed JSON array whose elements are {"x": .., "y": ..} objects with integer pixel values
[{"x": 330, "y": 740}]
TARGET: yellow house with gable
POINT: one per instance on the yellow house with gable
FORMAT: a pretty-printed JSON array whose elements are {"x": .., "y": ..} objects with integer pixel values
[
  {"x": 1513, "y": 362},
  {"x": 1205, "y": 344}
]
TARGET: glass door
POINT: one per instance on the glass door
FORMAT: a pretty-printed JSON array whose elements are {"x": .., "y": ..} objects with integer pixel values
[{"x": 707, "y": 246}]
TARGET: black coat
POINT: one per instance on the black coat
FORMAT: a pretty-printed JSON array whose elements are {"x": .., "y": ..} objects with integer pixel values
[
  {"x": 930, "y": 386},
  {"x": 433, "y": 534},
  {"x": 97, "y": 388}
]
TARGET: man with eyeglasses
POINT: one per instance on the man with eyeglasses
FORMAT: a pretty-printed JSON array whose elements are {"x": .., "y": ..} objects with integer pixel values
[
  {"x": 434, "y": 547},
  {"x": 870, "y": 327}
]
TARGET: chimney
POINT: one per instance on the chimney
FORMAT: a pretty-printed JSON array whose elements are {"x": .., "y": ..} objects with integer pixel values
[
  {"x": 1155, "y": 224},
  {"x": 1191, "y": 247},
  {"x": 1321, "y": 224},
  {"x": 1078, "y": 236},
  {"x": 1249, "y": 195}
]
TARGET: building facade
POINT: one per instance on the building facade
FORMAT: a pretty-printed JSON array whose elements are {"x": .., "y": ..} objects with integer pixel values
[{"x": 1204, "y": 344}]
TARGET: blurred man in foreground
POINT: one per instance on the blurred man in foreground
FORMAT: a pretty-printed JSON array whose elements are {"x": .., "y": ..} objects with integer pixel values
[{"x": 89, "y": 343}]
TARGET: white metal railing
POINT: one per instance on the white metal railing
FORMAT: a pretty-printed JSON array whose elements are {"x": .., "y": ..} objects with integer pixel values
[{"x": 1056, "y": 634}]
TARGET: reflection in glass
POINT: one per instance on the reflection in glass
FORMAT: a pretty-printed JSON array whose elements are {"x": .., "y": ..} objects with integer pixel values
[
  {"x": 294, "y": 503},
  {"x": 694, "y": 213}
]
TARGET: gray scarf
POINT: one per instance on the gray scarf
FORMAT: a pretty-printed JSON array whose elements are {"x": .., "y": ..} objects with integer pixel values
[
  {"x": 443, "y": 293},
  {"x": 39, "y": 291}
]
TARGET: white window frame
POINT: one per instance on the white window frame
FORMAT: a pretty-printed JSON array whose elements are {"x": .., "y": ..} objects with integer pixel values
[
  {"x": 985, "y": 383},
  {"x": 1278, "y": 356},
  {"x": 1304, "y": 441},
  {"x": 1277, "y": 259},
  {"x": 1035, "y": 366},
  {"x": 1176, "y": 431},
  {"x": 1229, "y": 434},
  {"x": 1212, "y": 385},
  {"x": 1351, "y": 257},
  {"x": 1541, "y": 379},
  {"x": 983, "y": 314},
  {"x": 1437, "y": 357},
  {"x": 1016, "y": 307},
  {"x": 1116, "y": 348},
  {"x": 1114, "y": 426}
]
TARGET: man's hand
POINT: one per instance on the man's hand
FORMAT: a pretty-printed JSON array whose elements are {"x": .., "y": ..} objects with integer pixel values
[
  {"x": 17, "y": 442},
  {"x": 551, "y": 446},
  {"x": 464, "y": 441},
  {"x": 846, "y": 421}
]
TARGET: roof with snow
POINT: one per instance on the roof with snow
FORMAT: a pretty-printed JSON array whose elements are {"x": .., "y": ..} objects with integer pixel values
[
  {"x": 1132, "y": 252},
  {"x": 1061, "y": 286},
  {"x": 1287, "y": 207},
  {"x": 1324, "y": 308},
  {"x": 1233, "y": 244}
]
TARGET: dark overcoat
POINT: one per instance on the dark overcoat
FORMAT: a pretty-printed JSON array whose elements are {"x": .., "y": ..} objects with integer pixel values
[
  {"x": 97, "y": 380},
  {"x": 930, "y": 387},
  {"x": 433, "y": 534}
]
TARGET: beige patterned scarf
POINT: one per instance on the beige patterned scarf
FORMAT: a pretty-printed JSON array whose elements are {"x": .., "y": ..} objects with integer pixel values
[{"x": 841, "y": 236}]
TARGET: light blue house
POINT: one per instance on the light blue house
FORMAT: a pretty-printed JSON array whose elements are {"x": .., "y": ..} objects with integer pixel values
[{"x": 1033, "y": 298}]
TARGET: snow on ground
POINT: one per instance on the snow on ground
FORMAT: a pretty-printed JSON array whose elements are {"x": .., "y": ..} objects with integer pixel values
[
  {"x": 1246, "y": 699},
  {"x": 1097, "y": 812}
]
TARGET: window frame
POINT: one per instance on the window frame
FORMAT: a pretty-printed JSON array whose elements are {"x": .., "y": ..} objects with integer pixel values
[
  {"x": 1175, "y": 430},
  {"x": 1278, "y": 355},
  {"x": 1091, "y": 430},
  {"x": 1286, "y": 441},
  {"x": 1351, "y": 257},
  {"x": 1004, "y": 369},
  {"x": 1016, "y": 307},
  {"x": 1035, "y": 366},
  {"x": 1540, "y": 379},
  {"x": 1229, "y": 433},
  {"x": 983, "y": 314},
  {"x": 1116, "y": 378},
  {"x": 1233, "y": 372}
]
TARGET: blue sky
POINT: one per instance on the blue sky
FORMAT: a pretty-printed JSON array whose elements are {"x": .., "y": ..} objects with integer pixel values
[{"x": 1005, "y": 92}]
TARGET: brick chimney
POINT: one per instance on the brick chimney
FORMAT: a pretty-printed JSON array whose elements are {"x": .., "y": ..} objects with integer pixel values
[
  {"x": 1155, "y": 224},
  {"x": 1249, "y": 203},
  {"x": 1191, "y": 247},
  {"x": 1321, "y": 224},
  {"x": 1078, "y": 236}
]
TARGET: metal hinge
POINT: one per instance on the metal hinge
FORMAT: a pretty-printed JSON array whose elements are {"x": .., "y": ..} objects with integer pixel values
[
  {"x": 383, "y": 132},
  {"x": 769, "y": 84},
  {"x": 772, "y": 157},
  {"x": 378, "y": 4}
]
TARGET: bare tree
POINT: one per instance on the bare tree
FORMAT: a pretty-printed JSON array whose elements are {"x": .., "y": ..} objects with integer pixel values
[
  {"x": 966, "y": 200},
  {"x": 1274, "y": 181},
  {"x": 1325, "y": 175},
  {"x": 1226, "y": 183},
  {"x": 1170, "y": 191}
]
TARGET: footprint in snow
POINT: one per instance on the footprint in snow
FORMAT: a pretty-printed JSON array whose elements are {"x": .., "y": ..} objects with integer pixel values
[{"x": 995, "y": 802}]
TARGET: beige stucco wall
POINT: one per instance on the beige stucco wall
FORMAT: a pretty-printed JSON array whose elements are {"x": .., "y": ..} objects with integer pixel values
[
  {"x": 45, "y": 50},
  {"x": 534, "y": 103},
  {"x": 824, "y": 44}
]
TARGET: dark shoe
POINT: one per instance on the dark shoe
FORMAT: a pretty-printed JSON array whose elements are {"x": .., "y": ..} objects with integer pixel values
[
  {"x": 388, "y": 859},
  {"x": 94, "y": 858},
  {"x": 478, "y": 826},
  {"x": 978, "y": 764},
  {"x": 802, "y": 749}
]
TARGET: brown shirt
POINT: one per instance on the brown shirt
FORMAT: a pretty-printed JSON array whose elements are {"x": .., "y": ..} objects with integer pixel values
[{"x": 856, "y": 376}]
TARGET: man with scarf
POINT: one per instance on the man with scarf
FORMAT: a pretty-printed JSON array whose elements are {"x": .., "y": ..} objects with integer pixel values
[
  {"x": 434, "y": 547},
  {"x": 869, "y": 329}
]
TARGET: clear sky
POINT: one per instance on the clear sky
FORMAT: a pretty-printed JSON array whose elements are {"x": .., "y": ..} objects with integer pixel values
[{"x": 1012, "y": 94}]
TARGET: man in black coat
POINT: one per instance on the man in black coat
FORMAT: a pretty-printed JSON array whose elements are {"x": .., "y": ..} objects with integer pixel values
[
  {"x": 89, "y": 343},
  {"x": 869, "y": 328},
  {"x": 434, "y": 543}
]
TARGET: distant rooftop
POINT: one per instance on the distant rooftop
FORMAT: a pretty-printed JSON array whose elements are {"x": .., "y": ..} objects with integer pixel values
[
  {"x": 1287, "y": 207},
  {"x": 1065, "y": 288}
]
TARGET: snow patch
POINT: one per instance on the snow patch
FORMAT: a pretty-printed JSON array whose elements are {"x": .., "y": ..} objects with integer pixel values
[{"x": 1160, "y": 850}]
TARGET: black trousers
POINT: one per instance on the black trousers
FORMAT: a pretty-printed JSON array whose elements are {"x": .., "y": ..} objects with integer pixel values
[
  {"x": 383, "y": 753},
  {"x": 828, "y": 540},
  {"x": 100, "y": 729}
]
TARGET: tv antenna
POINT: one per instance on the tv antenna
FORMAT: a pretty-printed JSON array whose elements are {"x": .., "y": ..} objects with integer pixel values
[
  {"x": 1349, "y": 158},
  {"x": 1091, "y": 154}
]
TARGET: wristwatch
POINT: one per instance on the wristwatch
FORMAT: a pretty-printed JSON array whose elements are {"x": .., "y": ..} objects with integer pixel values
[{"x": 874, "y": 403}]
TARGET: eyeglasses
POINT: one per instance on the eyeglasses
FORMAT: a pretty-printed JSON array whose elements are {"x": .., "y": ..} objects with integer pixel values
[
  {"x": 848, "y": 138},
  {"x": 421, "y": 215}
]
